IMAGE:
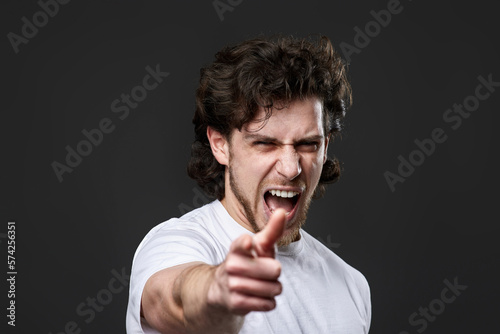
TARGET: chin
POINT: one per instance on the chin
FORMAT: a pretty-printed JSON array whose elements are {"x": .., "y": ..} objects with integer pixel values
[{"x": 291, "y": 234}]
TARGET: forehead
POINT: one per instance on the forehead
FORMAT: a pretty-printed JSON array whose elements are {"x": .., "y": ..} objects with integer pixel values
[{"x": 298, "y": 118}]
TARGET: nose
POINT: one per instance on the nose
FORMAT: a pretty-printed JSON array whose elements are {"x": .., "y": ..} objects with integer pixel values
[{"x": 288, "y": 164}]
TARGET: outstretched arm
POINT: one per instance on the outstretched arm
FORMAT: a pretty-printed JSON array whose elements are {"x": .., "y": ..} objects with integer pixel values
[{"x": 200, "y": 298}]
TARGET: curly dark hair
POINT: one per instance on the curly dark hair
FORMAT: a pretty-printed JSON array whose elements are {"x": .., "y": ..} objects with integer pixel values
[{"x": 262, "y": 73}]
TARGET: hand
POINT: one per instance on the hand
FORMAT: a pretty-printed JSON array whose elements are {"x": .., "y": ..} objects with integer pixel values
[{"x": 248, "y": 279}]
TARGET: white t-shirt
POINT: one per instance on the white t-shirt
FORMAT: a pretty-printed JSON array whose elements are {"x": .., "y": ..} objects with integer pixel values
[{"x": 321, "y": 293}]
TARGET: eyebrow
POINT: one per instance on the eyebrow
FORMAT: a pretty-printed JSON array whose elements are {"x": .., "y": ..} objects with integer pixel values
[{"x": 259, "y": 137}]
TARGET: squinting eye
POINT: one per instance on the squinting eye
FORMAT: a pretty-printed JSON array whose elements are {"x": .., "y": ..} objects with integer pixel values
[{"x": 308, "y": 146}]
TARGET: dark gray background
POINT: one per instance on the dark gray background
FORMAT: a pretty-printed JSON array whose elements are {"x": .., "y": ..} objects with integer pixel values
[{"x": 439, "y": 224}]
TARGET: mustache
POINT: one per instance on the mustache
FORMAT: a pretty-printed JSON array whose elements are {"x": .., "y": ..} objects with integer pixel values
[{"x": 285, "y": 183}]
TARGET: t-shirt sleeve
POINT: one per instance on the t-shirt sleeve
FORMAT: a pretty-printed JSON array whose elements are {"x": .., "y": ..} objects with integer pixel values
[
  {"x": 364, "y": 291},
  {"x": 368, "y": 304},
  {"x": 169, "y": 244},
  {"x": 361, "y": 296}
]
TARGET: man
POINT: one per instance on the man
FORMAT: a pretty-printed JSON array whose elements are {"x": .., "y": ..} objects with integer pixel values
[{"x": 265, "y": 113}]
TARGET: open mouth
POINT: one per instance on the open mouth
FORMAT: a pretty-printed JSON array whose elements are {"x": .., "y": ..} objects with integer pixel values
[{"x": 284, "y": 199}]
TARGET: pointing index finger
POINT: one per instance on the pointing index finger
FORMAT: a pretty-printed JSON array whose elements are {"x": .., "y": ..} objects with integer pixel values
[{"x": 266, "y": 239}]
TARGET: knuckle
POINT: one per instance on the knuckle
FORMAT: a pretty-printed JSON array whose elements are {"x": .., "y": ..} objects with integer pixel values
[
  {"x": 245, "y": 238},
  {"x": 236, "y": 244},
  {"x": 231, "y": 264},
  {"x": 243, "y": 241},
  {"x": 236, "y": 302},
  {"x": 233, "y": 284}
]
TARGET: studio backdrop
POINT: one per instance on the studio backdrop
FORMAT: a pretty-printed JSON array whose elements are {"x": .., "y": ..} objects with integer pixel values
[{"x": 97, "y": 106}]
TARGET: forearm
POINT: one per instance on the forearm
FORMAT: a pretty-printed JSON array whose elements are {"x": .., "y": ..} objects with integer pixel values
[
  {"x": 175, "y": 300},
  {"x": 199, "y": 298},
  {"x": 202, "y": 313}
]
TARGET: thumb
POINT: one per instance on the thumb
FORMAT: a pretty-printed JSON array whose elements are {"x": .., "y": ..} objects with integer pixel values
[{"x": 265, "y": 240}]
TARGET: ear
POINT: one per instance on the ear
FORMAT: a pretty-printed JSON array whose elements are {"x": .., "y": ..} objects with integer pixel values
[
  {"x": 327, "y": 141},
  {"x": 219, "y": 146}
]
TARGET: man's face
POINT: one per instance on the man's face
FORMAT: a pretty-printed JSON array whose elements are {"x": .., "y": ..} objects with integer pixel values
[{"x": 275, "y": 164}]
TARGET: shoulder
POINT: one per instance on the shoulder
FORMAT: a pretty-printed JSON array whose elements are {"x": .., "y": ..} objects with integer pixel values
[
  {"x": 191, "y": 233},
  {"x": 173, "y": 242},
  {"x": 196, "y": 222}
]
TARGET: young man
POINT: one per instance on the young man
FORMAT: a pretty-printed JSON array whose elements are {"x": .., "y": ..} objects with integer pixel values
[{"x": 265, "y": 113}]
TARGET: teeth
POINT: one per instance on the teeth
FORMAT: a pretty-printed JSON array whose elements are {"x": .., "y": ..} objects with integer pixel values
[{"x": 283, "y": 193}]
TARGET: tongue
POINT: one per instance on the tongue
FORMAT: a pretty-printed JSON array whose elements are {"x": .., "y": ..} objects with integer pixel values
[{"x": 275, "y": 202}]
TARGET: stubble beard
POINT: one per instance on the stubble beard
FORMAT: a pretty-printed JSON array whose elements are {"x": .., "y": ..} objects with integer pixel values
[{"x": 293, "y": 234}]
